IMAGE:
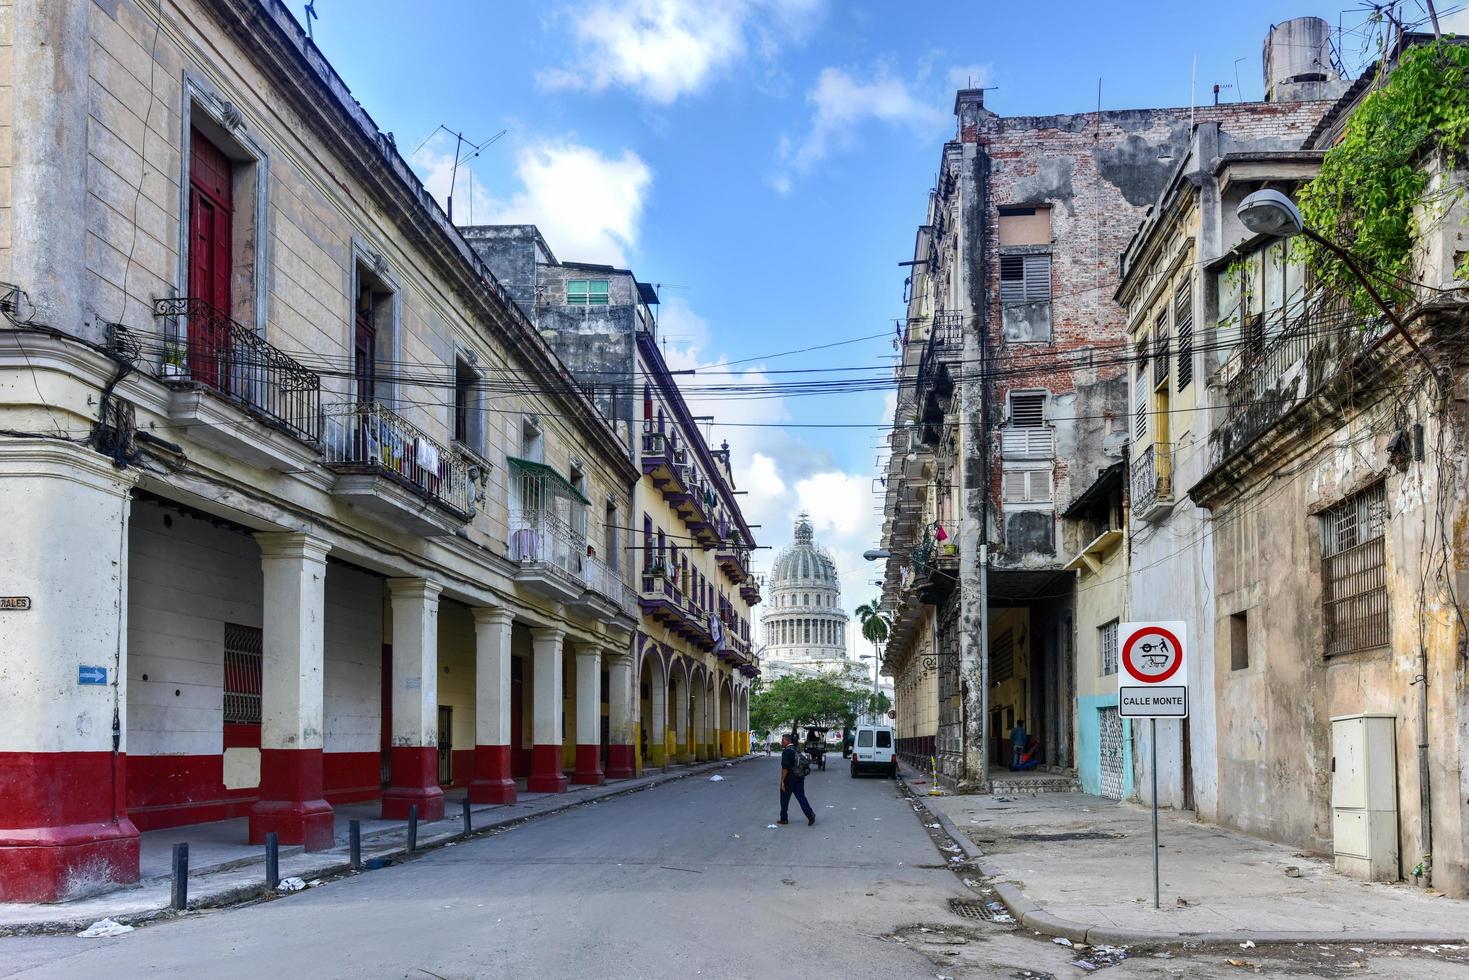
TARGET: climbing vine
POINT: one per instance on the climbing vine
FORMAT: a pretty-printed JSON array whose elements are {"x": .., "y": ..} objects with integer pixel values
[{"x": 1373, "y": 187}]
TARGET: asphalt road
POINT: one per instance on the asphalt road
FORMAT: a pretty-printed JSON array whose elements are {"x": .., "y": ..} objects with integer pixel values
[{"x": 681, "y": 880}]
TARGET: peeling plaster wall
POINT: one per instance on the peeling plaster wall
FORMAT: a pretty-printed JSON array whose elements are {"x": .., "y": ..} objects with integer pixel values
[{"x": 1274, "y": 715}]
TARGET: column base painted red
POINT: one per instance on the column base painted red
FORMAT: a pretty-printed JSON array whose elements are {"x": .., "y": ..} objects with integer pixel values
[
  {"x": 588, "y": 771},
  {"x": 492, "y": 782},
  {"x": 291, "y": 803},
  {"x": 63, "y": 828},
  {"x": 620, "y": 761},
  {"x": 545, "y": 770},
  {"x": 415, "y": 783}
]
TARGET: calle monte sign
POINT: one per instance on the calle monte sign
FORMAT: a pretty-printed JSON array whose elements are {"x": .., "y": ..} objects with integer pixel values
[{"x": 1153, "y": 681}]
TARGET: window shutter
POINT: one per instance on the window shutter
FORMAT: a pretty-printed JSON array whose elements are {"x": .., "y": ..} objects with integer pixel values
[
  {"x": 1025, "y": 278},
  {"x": 1037, "y": 278},
  {"x": 1183, "y": 320},
  {"x": 1027, "y": 410},
  {"x": 1140, "y": 411},
  {"x": 1028, "y": 486},
  {"x": 1012, "y": 279}
]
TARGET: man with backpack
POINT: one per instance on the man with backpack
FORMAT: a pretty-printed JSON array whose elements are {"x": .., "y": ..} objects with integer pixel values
[{"x": 794, "y": 768}]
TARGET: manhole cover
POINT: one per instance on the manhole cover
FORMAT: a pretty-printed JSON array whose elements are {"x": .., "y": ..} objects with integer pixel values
[{"x": 977, "y": 910}]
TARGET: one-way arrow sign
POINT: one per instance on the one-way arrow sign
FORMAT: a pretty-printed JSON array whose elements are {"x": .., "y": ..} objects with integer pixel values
[{"x": 91, "y": 675}]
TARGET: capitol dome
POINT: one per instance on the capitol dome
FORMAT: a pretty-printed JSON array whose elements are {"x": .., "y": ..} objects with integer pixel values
[{"x": 805, "y": 624}]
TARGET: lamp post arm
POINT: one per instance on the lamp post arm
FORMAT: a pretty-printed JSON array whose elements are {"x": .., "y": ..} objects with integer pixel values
[{"x": 1361, "y": 277}]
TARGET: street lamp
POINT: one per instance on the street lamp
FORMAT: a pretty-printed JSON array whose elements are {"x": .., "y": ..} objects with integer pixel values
[
  {"x": 1272, "y": 213},
  {"x": 877, "y": 554}
]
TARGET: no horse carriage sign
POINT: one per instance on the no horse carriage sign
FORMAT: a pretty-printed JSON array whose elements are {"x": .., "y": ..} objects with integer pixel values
[{"x": 1153, "y": 682}]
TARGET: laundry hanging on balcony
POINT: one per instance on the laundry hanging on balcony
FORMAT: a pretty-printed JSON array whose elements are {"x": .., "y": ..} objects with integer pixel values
[{"x": 548, "y": 517}]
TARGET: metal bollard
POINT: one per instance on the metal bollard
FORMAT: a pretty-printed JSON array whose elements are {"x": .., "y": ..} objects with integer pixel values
[
  {"x": 354, "y": 837},
  {"x": 412, "y": 828},
  {"x": 467, "y": 827},
  {"x": 180, "y": 898},
  {"x": 272, "y": 861}
]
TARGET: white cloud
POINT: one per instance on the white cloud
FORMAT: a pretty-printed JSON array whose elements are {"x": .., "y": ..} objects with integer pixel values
[
  {"x": 666, "y": 49},
  {"x": 841, "y": 103},
  {"x": 587, "y": 205}
]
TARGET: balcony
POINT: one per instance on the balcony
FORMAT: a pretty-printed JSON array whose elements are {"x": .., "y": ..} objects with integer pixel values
[
  {"x": 551, "y": 555},
  {"x": 665, "y": 462},
  {"x": 388, "y": 467},
  {"x": 224, "y": 375},
  {"x": 750, "y": 591},
  {"x": 606, "y": 591},
  {"x": 1152, "y": 480},
  {"x": 734, "y": 559},
  {"x": 934, "y": 386},
  {"x": 663, "y": 601},
  {"x": 935, "y": 566}
]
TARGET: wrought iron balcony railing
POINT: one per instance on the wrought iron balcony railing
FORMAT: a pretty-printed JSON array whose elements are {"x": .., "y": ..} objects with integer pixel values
[
  {"x": 607, "y": 582},
  {"x": 371, "y": 437},
  {"x": 206, "y": 347},
  {"x": 1152, "y": 477}
]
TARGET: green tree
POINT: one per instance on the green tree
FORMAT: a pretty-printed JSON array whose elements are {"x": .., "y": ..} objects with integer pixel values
[
  {"x": 790, "y": 703},
  {"x": 875, "y": 625}
]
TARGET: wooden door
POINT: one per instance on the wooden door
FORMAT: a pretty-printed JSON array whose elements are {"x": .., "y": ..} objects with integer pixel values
[{"x": 211, "y": 220}]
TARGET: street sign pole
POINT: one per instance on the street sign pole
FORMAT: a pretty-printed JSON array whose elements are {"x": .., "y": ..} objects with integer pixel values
[
  {"x": 1153, "y": 684},
  {"x": 1153, "y": 738}
]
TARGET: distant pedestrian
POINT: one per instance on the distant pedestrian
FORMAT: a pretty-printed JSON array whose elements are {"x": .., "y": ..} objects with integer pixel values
[
  {"x": 1017, "y": 743},
  {"x": 794, "y": 767}
]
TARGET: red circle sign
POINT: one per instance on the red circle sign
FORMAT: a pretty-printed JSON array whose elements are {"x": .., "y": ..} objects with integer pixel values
[{"x": 1159, "y": 655}]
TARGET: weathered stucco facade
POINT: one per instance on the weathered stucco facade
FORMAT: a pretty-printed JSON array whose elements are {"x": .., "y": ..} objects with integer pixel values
[{"x": 271, "y": 477}]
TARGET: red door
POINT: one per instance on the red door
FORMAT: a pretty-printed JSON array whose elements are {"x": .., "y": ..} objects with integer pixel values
[{"x": 211, "y": 215}]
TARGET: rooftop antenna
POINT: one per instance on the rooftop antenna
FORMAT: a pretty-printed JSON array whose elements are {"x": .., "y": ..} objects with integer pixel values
[{"x": 310, "y": 9}]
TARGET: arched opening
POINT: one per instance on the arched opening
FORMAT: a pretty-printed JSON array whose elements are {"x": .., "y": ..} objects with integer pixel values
[{"x": 649, "y": 735}]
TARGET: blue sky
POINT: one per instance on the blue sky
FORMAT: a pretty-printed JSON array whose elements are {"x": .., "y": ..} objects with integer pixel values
[{"x": 767, "y": 161}]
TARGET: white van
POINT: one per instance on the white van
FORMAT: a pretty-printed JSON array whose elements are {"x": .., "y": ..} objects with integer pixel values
[{"x": 872, "y": 751}]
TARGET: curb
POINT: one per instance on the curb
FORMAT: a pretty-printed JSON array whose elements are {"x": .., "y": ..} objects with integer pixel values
[
  {"x": 246, "y": 893},
  {"x": 1031, "y": 915}
]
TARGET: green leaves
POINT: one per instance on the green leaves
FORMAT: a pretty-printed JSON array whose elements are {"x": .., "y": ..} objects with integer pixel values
[
  {"x": 1370, "y": 194},
  {"x": 799, "y": 701}
]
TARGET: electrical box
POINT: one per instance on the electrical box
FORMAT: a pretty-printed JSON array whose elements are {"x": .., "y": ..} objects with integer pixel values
[{"x": 1364, "y": 798}]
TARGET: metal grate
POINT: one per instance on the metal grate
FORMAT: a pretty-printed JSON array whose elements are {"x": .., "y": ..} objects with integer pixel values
[
  {"x": 1107, "y": 640},
  {"x": 1113, "y": 753},
  {"x": 1002, "y": 657},
  {"x": 242, "y": 658},
  {"x": 970, "y": 909},
  {"x": 1354, "y": 573}
]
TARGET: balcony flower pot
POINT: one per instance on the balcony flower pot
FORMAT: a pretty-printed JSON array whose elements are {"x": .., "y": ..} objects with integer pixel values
[{"x": 949, "y": 549}]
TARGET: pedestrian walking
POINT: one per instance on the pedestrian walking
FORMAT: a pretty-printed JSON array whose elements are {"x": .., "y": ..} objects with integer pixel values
[
  {"x": 794, "y": 767},
  {"x": 1017, "y": 743}
]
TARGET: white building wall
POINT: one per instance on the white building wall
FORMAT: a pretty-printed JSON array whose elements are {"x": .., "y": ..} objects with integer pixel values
[
  {"x": 1172, "y": 579},
  {"x": 354, "y": 643},
  {"x": 188, "y": 578}
]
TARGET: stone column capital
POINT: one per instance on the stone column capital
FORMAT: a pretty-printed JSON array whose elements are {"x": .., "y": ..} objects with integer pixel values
[
  {"x": 292, "y": 544},
  {"x": 414, "y": 588},
  {"x": 547, "y": 634},
  {"x": 492, "y": 615}
]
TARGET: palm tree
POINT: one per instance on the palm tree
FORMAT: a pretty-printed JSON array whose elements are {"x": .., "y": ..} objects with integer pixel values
[{"x": 875, "y": 625}]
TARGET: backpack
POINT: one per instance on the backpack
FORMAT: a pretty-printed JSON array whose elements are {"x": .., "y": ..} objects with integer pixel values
[{"x": 801, "y": 768}]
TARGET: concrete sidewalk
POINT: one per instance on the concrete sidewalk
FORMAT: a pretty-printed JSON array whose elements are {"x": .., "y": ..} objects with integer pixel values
[
  {"x": 223, "y": 870},
  {"x": 1078, "y": 866}
]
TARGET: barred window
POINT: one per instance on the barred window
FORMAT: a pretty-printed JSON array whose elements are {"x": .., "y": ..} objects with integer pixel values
[
  {"x": 1353, "y": 572},
  {"x": 242, "y": 656},
  {"x": 1002, "y": 657},
  {"x": 1107, "y": 642},
  {"x": 1183, "y": 324}
]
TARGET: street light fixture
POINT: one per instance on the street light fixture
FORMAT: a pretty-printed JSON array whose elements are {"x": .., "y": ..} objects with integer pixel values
[
  {"x": 1272, "y": 213},
  {"x": 877, "y": 554}
]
